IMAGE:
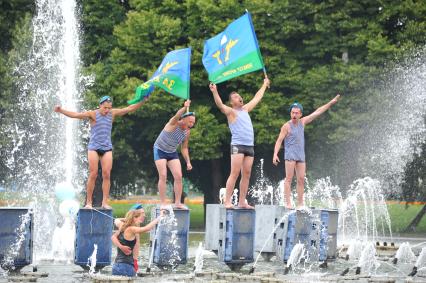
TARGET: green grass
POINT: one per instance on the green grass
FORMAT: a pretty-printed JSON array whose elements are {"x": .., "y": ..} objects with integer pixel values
[{"x": 400, "y": 216}]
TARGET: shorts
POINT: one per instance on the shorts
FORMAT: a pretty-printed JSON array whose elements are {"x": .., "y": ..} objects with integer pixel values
[
  {"x": 101, "y": 152},
  {"x": 123, "y": 269},
  {"x": 247, "y": 150},
  {"x": 159, "y": 154}
]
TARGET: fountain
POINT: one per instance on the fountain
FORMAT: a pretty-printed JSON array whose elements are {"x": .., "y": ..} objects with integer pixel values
[{"x": 44, "y": 147}]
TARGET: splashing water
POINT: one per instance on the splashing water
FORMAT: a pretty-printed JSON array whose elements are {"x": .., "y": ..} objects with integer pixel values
[
  {"x": 421, "y": 259},
  {"x": 297, "y": 253},
  {"x": 262, "y": 190},
  {"x": 283, "y": 218},
  {"x": 15, "y": 248},
  {"x": 354, "y": 249},
  {"x": 323, "y": 195},
  {"x": 91, "y": 261},
  {"x": 63, "y": 241},
  {"x": 172, "y": 246},
  {"x": 404, "y": 254},
  {"x": 367, "y": 261},
  {"x": 43, "y": 148},
  {"x": 199, "y": 259},
  {"x": 364, "y": 213},
  {"x": 396, "y": 127},
  {"x": 234, "y": 197}
]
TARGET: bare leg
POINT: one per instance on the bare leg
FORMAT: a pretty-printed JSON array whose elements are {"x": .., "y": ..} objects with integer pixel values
[
  {"x": 106, "y": 164},
  {"x": 162, "y": 178},
  {"x": 300, "y": 175},
  {"x": 289, "y": 173},
  {"x": 93, "y": 159},
  {"x": 176, "y": 169},
  {"x": 236, "y": 164},
  {"x": 244, "y": 183}
]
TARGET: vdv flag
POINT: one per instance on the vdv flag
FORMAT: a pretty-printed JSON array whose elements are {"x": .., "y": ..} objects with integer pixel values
[
  {"x": 233, "y": 52},
  {"x": 172, "y": 76}
]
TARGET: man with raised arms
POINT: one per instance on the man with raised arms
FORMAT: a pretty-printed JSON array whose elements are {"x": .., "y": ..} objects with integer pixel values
[
  {"x": 242, "y": 142},
  {"x": 292, "y": 133},
  {"x": 100, "y": 145}
]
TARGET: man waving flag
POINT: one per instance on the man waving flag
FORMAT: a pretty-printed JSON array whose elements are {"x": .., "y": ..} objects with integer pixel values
[
  {"x": 233, "y": 52},
  {"x": 172, "y": 76}
]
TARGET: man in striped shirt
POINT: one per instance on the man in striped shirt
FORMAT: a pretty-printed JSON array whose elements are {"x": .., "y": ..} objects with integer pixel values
[
  {"x": 242, "y": 142},
  {"x": 100, "y": 146},
  {"x": 293, "y": 135},
  {"x": 174, "y": 133}
]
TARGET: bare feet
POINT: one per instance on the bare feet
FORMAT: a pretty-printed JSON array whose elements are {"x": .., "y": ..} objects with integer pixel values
[
  {"x": 180, "y": 206},
  {"x": 228, "y": 205},
  {"x": 245, "y": 206},
  {"x": 165, "y": 206},
  {"x": 88, "y": 205},
  {"x": 106, "y": 206}
]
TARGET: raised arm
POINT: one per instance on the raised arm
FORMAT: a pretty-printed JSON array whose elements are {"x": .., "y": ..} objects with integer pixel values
[
  {"x": 76, "y": 115},
  {"x": 173, "y": 121},
  {"x": 185, "y": 152},
  {"x": 308, "y": 119},
  {"x": 128, "y": 109},
  {"x": 146, "y": 228},
  {"x": 278, "y": 143},
  {"x": 222, "y": 107},
  {"x": 259, "y": 94}
]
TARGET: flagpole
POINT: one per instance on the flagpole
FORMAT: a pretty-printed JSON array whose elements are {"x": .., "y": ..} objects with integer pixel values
[{"x": 264, "y": 69}]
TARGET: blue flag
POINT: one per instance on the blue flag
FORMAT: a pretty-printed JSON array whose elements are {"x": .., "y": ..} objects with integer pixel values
[
  {"x": 172, "y": 76},
  {"x": 233, "y": 52}
]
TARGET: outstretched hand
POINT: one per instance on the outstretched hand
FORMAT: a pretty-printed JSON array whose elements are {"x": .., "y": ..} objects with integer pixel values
[
  {"x": 212, "y": 87},
  {"x": 57, "y": 109}
]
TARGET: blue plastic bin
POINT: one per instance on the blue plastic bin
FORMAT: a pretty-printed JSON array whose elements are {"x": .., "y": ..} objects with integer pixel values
[
  {"x": 166, "y": 253},
  {"x": 16, "y": 221},
  {"x": 93, "y": 228}
]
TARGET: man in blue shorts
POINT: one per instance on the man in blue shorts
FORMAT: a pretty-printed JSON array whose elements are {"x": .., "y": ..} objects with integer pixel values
[{"x": 176, "y": 132}]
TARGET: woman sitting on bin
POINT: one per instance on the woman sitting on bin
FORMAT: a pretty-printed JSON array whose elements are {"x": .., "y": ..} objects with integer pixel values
[{"x": 126, "y": 238}]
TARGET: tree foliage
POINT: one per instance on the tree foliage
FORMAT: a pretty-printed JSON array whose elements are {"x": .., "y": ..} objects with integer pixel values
[{"x": 311, "y": 49}]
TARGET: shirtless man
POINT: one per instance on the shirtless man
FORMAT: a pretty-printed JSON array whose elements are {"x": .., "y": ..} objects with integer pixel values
[
  {"x": 292, "y": 133},
  {"x": 242, "y": 143},
  {"x": 100, "y": 146}
]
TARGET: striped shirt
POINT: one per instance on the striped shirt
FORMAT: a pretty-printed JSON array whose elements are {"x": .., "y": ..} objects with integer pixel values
[
  {"x": 242, "y": 129},
  {"x": 169, "y": 141},
  {"x": 294, "y": 143},
  {"x": 100, "y": 132}
]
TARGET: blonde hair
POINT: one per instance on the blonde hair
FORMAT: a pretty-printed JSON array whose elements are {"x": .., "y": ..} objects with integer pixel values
[{"x": 129, "y": 220}]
